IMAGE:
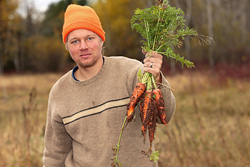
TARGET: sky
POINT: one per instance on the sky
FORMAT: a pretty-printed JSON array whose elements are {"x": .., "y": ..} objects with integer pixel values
[{"x": 42, "y": 5}]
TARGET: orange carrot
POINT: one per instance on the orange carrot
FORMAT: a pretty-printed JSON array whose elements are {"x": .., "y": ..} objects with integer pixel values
[
  {"x": 152, "y": 123},
  {"x": 146, "y": 110},
  {"x": 137, "y": 93},
  {"x": 141, "y": 107},
  {"x": 160, "y": 105}
]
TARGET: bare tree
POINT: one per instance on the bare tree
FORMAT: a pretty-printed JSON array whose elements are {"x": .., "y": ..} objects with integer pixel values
[
  {"x": 5, "y": 43},
  {"x": 149, "y": 3},
  {"x": 188, "y": 19},
  {"x": 172, "y": 61},
  {"x": 210, "y": 32},
  {"x": 1, "y": 60},
  {"x": 1, "y": 39},
  {"x": 172, "y": 64},
  {"x": 15, "y": 54},
  {"x": 241, "y": 15}
]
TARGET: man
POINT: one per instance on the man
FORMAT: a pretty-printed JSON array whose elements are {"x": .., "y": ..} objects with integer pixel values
[{"x": 87, "y": 106}]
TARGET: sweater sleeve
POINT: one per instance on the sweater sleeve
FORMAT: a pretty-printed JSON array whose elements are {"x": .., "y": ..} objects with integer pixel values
[
  {"x": 169, "y": 99},
  {"x": 58, "y": 143}
]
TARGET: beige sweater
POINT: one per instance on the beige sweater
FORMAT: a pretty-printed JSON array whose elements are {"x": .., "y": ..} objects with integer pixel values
[{"x": 85, "y": 118}]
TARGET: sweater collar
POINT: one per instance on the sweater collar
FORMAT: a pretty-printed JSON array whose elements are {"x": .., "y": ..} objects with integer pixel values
[{"x": 76, "y": 68}]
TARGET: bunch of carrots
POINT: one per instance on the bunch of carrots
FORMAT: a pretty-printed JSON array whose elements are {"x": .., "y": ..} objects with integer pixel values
[{"x": 149, "y": 98}]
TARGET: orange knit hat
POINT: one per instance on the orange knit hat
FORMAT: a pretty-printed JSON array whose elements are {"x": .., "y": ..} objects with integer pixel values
[{"x": 81, "y": 17}]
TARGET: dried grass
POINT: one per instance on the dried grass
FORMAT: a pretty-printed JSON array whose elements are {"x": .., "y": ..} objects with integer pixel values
[{"x": 211, "y": 126}]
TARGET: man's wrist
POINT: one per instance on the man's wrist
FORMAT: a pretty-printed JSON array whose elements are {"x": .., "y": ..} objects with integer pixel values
[{"x": 158, "y": 79}]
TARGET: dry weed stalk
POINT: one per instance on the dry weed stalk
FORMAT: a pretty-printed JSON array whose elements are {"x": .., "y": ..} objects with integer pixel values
[
  {"x": 26, "y": 110},
  {"x": 5, "y": 92}
]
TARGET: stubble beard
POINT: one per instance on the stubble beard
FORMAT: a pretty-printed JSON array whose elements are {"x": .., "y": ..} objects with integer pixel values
[{"x": 88, "y": 64}]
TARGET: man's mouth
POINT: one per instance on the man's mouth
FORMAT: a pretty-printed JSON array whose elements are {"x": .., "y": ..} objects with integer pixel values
[{"x": 85, "y": 55}]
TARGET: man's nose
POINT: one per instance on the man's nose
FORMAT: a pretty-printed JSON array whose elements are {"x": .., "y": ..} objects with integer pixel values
[{"x": 83, "y": 45}]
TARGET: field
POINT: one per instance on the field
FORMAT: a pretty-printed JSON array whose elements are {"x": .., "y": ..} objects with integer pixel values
[{"x": 210, "y": 128}]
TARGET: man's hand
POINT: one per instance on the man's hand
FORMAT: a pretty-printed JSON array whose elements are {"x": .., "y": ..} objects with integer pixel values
[{"x": 152, "y": 64}]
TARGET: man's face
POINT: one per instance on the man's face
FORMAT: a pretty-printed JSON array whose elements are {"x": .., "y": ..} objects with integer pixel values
[{"x": 85, "y": 47}]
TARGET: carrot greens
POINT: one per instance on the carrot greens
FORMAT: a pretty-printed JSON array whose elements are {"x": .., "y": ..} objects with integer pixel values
[{"x": 162, "y": 26}]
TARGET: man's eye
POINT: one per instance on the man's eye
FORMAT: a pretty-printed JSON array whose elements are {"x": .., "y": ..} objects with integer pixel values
[
  {"x": 73, "y": 42},
  {"x": 90, "y": 38}
]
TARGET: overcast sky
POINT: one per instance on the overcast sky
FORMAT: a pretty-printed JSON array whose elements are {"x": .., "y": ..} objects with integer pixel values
[{"x": 42, "y": 5}]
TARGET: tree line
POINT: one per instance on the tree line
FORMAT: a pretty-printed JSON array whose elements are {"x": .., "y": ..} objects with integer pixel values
[{"x": 32, "y": 42}]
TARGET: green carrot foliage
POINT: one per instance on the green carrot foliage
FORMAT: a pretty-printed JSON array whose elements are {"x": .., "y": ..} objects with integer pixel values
[{"x": 161, "y": 27}]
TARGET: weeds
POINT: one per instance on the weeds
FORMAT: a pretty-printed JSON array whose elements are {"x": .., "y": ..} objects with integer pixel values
[
  {"x": 23, "y": 118},
  {"x": 209, "y": 128},
  {"x": 27, "y": 113}
]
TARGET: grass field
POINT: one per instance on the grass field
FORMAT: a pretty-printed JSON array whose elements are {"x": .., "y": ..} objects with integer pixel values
[{"x": 210, "y": 128}]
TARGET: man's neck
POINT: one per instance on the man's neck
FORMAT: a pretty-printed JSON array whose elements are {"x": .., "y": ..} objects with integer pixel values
[{"x": 83, "y": 74}]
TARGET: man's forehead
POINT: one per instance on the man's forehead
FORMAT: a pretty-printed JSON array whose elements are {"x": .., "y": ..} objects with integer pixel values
[{"x": 81, "y": 32}]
